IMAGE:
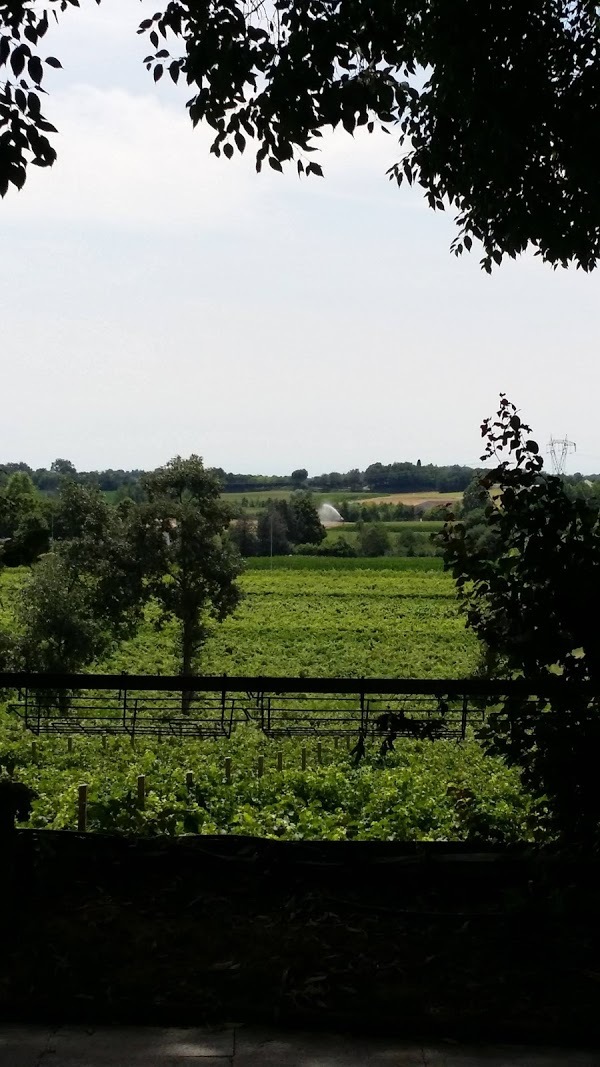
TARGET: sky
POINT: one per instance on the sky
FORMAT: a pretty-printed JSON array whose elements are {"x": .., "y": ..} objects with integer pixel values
[{"x": 156, "y": 301}]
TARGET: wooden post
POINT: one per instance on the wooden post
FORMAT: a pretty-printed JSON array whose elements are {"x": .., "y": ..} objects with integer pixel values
[
  {"x": 82, "y": 809},
  {"x": 104, "y": 741},
  {"x": 228, "y": 769},
  {"x": 280, "y": 761},
  {"x": 261, "y": 766},
  {"x": 335, "y": 742},
  {"x": 159, "y": 736},
  {"x": 303, "y": 759},
  {"x": 69, "y": 744},
  {"x": 133, "y": 741},
  {"x": 348, "y": 740},
  {"x": 141, "y": 791},
  {"x": 189, "y": 780},
  {"x": 34, "y": 750},
  {"x": 319, "y": 752}
]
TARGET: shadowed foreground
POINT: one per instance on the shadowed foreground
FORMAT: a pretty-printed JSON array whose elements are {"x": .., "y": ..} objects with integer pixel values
[{"x": 417, "y": 942}]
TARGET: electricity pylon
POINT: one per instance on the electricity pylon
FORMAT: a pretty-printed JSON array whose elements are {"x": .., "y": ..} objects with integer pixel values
[{"x": 559, "y": 449}]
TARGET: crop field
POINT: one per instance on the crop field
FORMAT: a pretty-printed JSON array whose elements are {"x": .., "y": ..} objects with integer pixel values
[
  {"x": 410, "y": 499},
  {"x": 257, "y": 500},
  {"x": 300, "y": 616},
  {"x": 425, "y": 791},
  {"x": 363, "y": 621},
  {"x": 324, "y": 563}
]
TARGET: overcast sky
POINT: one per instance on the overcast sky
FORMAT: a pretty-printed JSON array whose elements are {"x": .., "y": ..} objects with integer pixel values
[{"x": 156, "y": 301}]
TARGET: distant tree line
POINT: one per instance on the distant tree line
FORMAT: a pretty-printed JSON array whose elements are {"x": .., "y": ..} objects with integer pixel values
[
  {"x": 49, "y": 480},
  {"x": 378, "y": 477},
  {"x": 398, "y": 478},
  {"x": 31, "y": 522}
]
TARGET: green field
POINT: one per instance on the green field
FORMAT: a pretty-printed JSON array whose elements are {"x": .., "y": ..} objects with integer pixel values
[
  {"x": 259, "y": 499},
  {"x": 426, "y": 791},
  {"x": 298, "y": 618},
  {"x": 317, "y": 617},
  {"x": 394, "y": 564},
  {"x": 425, "y": 526},
  {"x": 10, "y": 579}
]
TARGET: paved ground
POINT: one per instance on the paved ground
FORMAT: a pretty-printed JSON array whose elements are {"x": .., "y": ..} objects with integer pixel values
[{"x": 243, "y": 1047}]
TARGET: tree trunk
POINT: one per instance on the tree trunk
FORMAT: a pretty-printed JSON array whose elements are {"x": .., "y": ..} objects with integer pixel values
[{"x": 187, "y": 654}]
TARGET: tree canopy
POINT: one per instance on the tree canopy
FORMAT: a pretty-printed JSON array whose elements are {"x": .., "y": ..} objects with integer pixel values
[
  {"x": 85, "y": 595},
  {"x": 24, "y": 527},
  {"x": 495, "y": 105},
  {"x": 286, "y": 523},
  {"x": 107, "y": 562},
  {"x": 190, "y": 565}
]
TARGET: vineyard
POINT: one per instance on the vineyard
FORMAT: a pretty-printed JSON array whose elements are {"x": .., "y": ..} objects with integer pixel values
[
  {"x": 295, "y": 620},
  {"x": 332, "y": 620}
]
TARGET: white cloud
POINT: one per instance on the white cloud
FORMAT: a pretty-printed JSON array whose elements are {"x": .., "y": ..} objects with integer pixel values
[
  {"x": 128, "y": 157},
  {"x": 131, "y": 160},
  {"x": 128, "y": 160}
]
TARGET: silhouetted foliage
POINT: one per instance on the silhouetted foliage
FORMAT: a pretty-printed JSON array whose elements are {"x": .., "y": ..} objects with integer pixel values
[
  {"x": 15, "y": 803},
  {"x": 533, "y": 602}
]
